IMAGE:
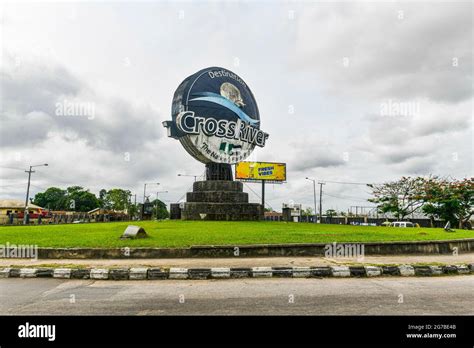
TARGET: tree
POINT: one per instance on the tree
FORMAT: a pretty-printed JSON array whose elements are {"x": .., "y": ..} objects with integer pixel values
[
  {"x": 79, "y": 199},
  {"x": 451, "y": 201},
  {"x": 402, "y": 197},
  {"x": 103, "y": 199},
  {"x": 330, "y": 213},
  {"x": 117, "y": 199},
  {"x": 53, "y": 198},
  {"x": 160, "y": 210}
]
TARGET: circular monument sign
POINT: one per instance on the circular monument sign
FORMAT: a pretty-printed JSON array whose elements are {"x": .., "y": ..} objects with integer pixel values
[{"x": 215, "y": 117}]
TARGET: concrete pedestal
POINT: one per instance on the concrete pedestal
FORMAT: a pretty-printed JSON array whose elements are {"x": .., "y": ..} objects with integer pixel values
[{"x": 219, "y": 200}]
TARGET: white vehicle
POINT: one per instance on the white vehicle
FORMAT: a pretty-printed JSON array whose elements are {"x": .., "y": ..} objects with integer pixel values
[{"x": 402, "y": 224}]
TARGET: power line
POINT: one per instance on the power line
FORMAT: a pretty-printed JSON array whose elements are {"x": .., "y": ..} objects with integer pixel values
[
  {"x": 346, "y": 182},
  {"x": 361, "y": 199},
  {"x": 256, "y": 194},
  {"x": 11, "y": 168}
]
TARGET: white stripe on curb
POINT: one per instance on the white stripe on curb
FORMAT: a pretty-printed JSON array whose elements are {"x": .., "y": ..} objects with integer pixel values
[
  {"x": 262, "y": 272},
  {"x": 462, "y": 269},
  {"x": 27, "y": 272},
  {"x": 436, "y": 270},
  {"x": 301, "y": 272},
  {"x": 5, "y": 272},
  {"x": 138, "y": 273},
  {"x": 99, "y": 273},
  {"x": 178, "y": 273},
  {"x": 406, "y": 270},
  {"x": 340, "y": 271},
  {"x": 373, "y": 271},
  {"x": 63, "y": 273},
  {"x": 220, "y": 272}
]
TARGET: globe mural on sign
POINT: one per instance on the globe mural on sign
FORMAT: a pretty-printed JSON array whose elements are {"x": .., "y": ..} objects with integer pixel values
[{"x": 215, "y": 117}]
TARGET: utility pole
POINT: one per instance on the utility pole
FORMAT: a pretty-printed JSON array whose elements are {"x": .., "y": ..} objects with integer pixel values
[
  {"x": 321, "y": 201},
  {"x": 263, "y": 199},
  {"x": 314, "y": 196},
  {"x": 26, "y": 213}
]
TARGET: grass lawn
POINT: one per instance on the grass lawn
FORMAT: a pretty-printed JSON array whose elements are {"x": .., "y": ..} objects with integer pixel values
[{"x": 187, "y": 233}]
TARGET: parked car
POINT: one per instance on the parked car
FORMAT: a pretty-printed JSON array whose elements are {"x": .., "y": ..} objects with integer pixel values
[{"x": 402, "y": 224}]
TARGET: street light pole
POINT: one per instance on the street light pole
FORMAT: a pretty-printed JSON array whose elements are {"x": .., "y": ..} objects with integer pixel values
[
  {"x": 26, "y": 213},
  {"x": 314, "y": 196},
  {"x": 321, "y": 201}
]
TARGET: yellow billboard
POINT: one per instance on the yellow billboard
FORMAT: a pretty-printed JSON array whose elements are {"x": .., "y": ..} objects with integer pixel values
[{"x": 260, "y": 171}]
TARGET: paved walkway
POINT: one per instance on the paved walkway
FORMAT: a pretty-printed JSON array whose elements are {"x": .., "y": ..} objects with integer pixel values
[{"x": 245, "y": 262}]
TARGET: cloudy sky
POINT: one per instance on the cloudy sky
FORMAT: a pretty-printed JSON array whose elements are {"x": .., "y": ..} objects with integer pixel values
[{"x": 349, "y": 92}]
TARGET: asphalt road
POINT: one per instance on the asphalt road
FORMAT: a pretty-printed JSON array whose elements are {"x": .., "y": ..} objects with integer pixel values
[{"x": 433, "y": 295}]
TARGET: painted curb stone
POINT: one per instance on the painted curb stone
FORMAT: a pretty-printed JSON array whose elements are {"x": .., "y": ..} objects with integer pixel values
[
  {"x": 178, "y": 273},
  {"x": 436, "y": 270},
  {"x": 5, "y": 272},
  {"x": 320, "y": 272},
  {"x": 44, "y": 272},
  {"x": 15, "y": 273},
  {"x": 118, "y": 273},
  {"x": 357, "y": 271},
  {"x": 225, "y": 272},
  {"x": 199, "y": 273},
  {"x": 28, "y": 272},
  {"x": 406, "y": 270},
  {"x": 282, "y": 272},
  {"x": 99, "y": 274},
  {"x": 450, "y": 269},
  {"x": 463, "y": 269},
  {"x": 390, "y": 270},
  {"x": 220, "y": 272},
  {"x": 301, "y": 272},
  {"x": 63, "y": 273},
  {"x": 261, "y": 272},
  {"x": 137, "y": 273},
  {"x": 240, "y": 272},
  {"x": 373, "y": 271},
  {"x": 423, "y": 271},
  {"x": 340, "y": 271},
  {"x": 80, "y": 273},
  {"x": 158, "y": 273}
]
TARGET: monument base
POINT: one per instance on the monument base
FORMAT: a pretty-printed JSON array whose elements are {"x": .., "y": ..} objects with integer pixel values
[{"x": 219, "y": 200}]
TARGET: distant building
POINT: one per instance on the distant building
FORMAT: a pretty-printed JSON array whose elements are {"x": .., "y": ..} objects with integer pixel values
[
  {"x": 273, "y": 216},
  {"x": 16, "y": 208},
  {"x": 292, "y": 212}
]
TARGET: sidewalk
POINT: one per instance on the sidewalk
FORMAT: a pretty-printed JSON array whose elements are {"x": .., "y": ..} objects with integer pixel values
[{"x": 244, "y": 262}]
